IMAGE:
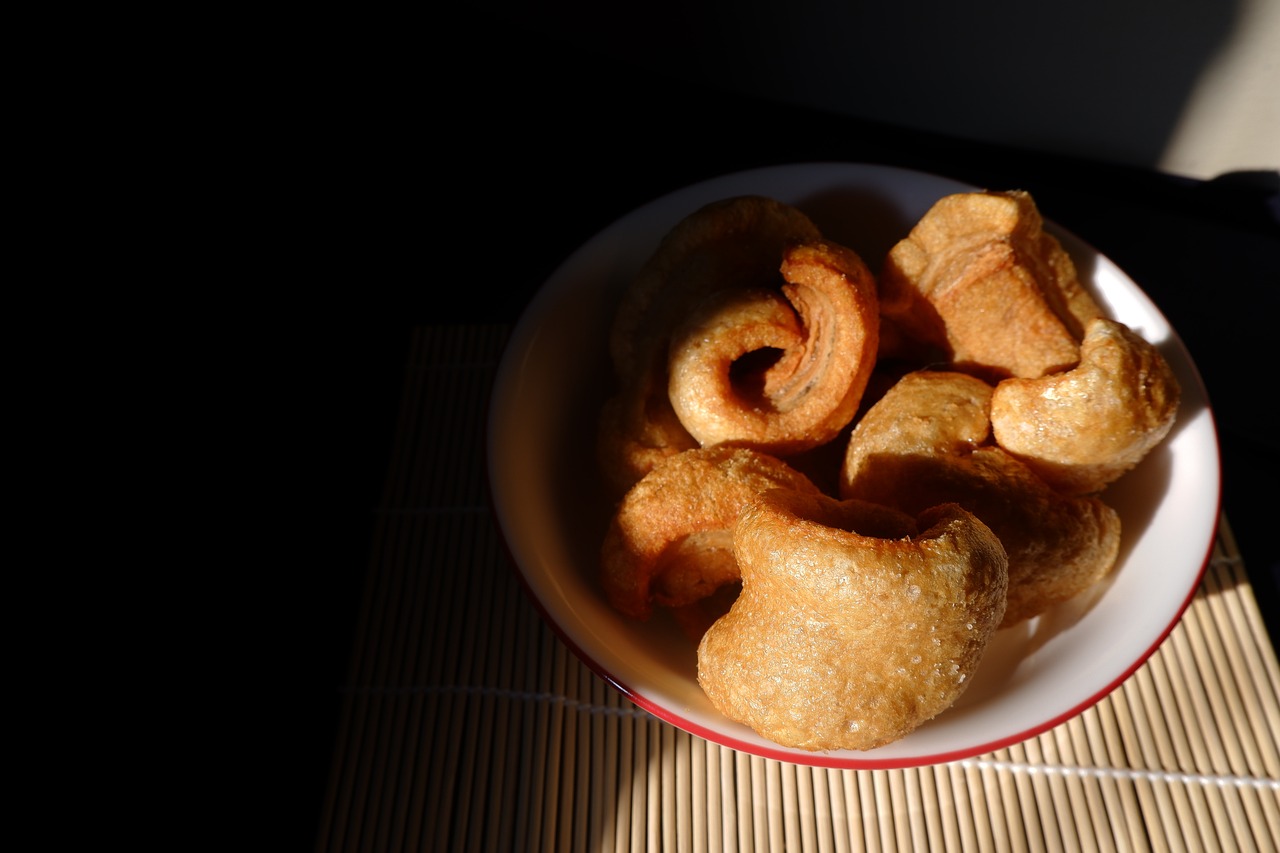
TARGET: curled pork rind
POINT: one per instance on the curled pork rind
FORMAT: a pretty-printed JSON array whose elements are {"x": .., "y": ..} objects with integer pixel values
[
  {"x": 856, "y": 623},
  {"x": 1082, "y": 429},
  {"x": 733, "y": 244},
  {"x": 670, "y": 540},
  {"x": 816, "y": 340},
  {"x": 795, "y": 318}
]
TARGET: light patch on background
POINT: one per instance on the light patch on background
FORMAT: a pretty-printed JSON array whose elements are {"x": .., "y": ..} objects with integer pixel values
[{"x": 1232, "y": 119}]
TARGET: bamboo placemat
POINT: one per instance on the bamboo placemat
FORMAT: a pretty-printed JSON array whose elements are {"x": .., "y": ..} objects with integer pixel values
[{"x": 467, "y": 725}]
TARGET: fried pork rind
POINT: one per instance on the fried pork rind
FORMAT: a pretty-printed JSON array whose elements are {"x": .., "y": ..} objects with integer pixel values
[
  {"x": 734, "y": 244},
  {"x": 927, "y": 412},
  {"x": 851, "y": 629},
  {"x": 1082, "y": 429},
  {"x": 670, "y": 540},
  {"x": 921, "y": 444},
  {"x": 979, "y": 283},
  {"x": 816, "y": 338}
]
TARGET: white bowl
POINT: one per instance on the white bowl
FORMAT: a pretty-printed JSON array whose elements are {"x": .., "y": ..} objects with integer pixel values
[{"x": 552, "y": 508}]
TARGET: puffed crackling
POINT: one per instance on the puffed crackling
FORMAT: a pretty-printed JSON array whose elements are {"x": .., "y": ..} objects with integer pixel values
[{"x": 852, "y": 628}]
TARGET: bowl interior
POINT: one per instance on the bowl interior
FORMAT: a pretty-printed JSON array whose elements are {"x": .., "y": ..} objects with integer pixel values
[{"x": 552, "y": 508}]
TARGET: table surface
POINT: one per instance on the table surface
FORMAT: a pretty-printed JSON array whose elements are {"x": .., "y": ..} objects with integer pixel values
[{"x": 461, "y": 238}]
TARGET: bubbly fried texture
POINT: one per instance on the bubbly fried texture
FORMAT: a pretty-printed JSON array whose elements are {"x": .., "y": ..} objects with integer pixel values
[
  {"x": 911, "y": 453},
  {"x": 670, "y": 540},
  {"x": 1082, "y": 429},
  {"x": 816, "y": 338},
  {"x": 980, "y": 282},
  {"x": 734, "y": 244},
  {"x": 851, "y": 629}
]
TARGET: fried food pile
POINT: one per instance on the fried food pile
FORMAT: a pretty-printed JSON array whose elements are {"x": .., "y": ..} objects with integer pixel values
[{"x": 842, "y": 485}]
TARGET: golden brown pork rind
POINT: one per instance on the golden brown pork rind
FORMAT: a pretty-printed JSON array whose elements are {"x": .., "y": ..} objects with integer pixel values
[
  {"x": 928, "y": 412},
  {"x": 817, "y": 337},
  {"x": 911, "y": 453},
  {"x": 736, "y": 243},
  {"x": 670, "y": 540},
  {"x": 852, "y": 628},
  {"x": 981, "y": 284},
  {"x": 637, "y": 431},
  {"x": 1082, "y": 429},
  {"x": 733, "y": 244}
]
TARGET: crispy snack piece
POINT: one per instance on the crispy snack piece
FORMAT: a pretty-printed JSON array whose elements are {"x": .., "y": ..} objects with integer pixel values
[
  {"x": 921, "y": 445},
  {"x": 852, "y": 629},
  {"x": 736, "y": 242},
  {"x": 981, "y": 284},
  {"x": 816, "y": 342},
  {"x": 733, "y": 244},
  {"x": 637, "y": 431},
  {"x": 670, "y": 541},
  {"x": 1082, "y": 429},
  {"x": 927, "y": 412}
]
